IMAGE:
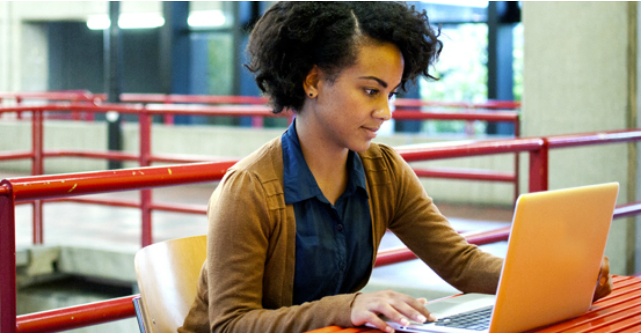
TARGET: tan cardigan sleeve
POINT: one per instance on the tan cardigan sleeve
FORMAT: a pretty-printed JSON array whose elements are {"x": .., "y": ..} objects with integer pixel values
[
  {"x": 242, "y": 239},
  {"x": 420, "y": 225}
]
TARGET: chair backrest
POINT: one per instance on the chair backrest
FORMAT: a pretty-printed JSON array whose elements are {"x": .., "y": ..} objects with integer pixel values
[{"x": 167, "y": 274}]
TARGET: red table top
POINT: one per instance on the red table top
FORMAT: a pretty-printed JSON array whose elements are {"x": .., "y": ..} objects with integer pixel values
[{"x": 619, "y": 312}]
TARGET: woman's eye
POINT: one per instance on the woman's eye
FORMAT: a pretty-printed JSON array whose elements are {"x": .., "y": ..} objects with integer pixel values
[
  {"x": 392, "y": 94},
  {"x": 371, "y": 92}
]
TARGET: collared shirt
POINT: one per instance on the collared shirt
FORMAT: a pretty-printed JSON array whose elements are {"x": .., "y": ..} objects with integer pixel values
[{"x": 333, "y": 242}]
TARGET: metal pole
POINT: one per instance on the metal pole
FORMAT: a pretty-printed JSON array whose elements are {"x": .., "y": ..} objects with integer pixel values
[
  {"x": 144, "y": 120},
  {"x": 37, "y": 168},
  {"x": 501, "y": 17},
  {"x": 113, "y": 71},
  {"x": 517, "y": 168},
  {"x": 175, "y": 54},
  {"x": 7, "y": 261},
  {"x": 539, "y": 168}
]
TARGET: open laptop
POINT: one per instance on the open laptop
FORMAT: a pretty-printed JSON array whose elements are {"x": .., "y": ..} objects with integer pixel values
[{"x": 556, "y": 244}]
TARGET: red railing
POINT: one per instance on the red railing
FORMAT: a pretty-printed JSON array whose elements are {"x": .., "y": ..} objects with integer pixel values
[
  {"x": 77, "y": 316},
  {"x": 146, "y": 158},
  {"x": 87, "y": 96},
  {"x": 56, "y": 186}
]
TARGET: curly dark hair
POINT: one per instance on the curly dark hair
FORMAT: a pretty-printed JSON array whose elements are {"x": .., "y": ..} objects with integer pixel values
[{"x": 292, "y": 37}]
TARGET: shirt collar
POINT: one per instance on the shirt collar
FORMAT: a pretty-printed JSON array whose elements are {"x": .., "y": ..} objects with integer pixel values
[{"x": 300, "y": 184}]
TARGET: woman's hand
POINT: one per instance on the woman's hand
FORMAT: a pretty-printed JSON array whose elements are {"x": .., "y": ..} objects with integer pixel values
[
  {"x": 604, "y": 283},
  {"x": 396, "y": 306}
]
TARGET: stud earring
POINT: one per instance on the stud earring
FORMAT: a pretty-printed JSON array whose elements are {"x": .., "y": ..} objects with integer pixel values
[{"x": 311, "y": 94}]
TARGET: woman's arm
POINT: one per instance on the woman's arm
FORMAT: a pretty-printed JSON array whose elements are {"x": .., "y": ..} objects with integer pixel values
[{"x": 420, "y": 225}]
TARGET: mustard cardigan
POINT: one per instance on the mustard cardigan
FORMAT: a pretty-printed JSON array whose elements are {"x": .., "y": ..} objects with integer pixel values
[{"x": 246, "y": 283}]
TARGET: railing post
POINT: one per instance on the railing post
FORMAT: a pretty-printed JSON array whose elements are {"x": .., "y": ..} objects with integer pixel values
[
  {"x": 539, "y": 168},
  {"x": 517, "y": 171},
  {"x": 37, "y": 168},
  {"x": 7, "y": 261},
  {"x": 168, "y": 119},
  {"x": 144, "y": 121},
  {"x": 19, "y": 101},
  {"x": 257, "y": 122}
]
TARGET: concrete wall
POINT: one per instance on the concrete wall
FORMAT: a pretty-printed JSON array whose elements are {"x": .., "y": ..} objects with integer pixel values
[{"x": 578, "y": 76}]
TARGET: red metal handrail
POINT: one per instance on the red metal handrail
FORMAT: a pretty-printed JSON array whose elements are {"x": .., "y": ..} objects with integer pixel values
[
  {"x": 66, "y": 185},
  {"x": 389, "y": 257},
  {"x": 467, "y": 174},
  {"x": 429, "y": 151},
  {"x": 76, "y": 316},
  {"x": 203, "y": 99},
  {"x": 627, "y": 210},
  {"x": 251, "y": 110},
  {"x": 491, "y": 104},
  {"x": 70, "y": 95},
  {"x": 584, "y": 139},
  {"x": 209, "y": 99},
  {"x": 507, "y": 116},
  {"x": 16, "y": 155}
]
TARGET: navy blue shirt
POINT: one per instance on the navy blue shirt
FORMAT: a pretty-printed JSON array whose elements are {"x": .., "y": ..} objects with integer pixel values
[{"x": 333, "y": 242}]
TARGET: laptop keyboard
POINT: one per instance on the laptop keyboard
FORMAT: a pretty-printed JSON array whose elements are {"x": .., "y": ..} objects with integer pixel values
[{"x": 476, "y": 320}]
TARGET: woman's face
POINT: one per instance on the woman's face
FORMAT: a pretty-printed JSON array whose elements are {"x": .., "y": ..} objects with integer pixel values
[{"x": 346, "y": 113}]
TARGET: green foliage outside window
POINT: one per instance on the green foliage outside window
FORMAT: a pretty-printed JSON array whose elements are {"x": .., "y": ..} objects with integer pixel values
[
  {"x": 462, "y": 73},
  {"x": 220, "y": 53}
]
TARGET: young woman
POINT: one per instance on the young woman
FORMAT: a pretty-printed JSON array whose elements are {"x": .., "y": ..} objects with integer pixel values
[{"x": 294, "y": 228}]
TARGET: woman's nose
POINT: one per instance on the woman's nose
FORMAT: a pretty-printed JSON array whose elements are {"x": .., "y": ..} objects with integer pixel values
[{"x": 384, "y": 111}]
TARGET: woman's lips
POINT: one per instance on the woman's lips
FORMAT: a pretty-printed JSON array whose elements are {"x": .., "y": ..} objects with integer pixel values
[{"x": 371, "y": 131}]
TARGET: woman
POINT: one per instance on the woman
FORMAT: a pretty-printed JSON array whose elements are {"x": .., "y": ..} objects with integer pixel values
[{"x": 294, "y": 227}]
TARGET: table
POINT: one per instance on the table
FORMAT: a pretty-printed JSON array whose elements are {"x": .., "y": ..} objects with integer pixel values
[{"x": 618, "y": 312}]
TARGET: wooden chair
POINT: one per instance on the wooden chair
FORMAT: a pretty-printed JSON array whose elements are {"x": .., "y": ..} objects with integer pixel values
[{"x": 167, "y": 274}]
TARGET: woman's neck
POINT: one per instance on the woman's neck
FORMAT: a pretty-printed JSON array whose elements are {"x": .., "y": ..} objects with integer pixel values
[{"x": 328, "y": 164}]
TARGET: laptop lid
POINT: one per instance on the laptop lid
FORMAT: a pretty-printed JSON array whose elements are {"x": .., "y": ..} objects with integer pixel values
[
  {"x": 550, "y": 272},
  {"x": 554, "y": 255}
]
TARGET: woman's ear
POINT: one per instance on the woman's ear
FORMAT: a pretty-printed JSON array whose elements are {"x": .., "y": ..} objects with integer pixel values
[{"x": 310, "y": 84}]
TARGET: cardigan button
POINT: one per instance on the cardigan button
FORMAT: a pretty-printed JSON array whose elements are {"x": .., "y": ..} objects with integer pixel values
[{"x": 339, "y": 227}]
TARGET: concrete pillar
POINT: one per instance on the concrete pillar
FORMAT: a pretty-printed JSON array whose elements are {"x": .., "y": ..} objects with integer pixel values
[
  {"x": 35, "y": 57},
  {"x": 580, "y": 76},
  {"x": 4, "y": 45},
  {"x": 10, "y": 33}
]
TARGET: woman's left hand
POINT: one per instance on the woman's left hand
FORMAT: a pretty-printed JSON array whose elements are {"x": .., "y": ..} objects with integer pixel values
[{"x": 604, "y": 283}]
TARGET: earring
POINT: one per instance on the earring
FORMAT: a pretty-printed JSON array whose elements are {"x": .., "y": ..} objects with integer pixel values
[{"x": 311, "y": 94}]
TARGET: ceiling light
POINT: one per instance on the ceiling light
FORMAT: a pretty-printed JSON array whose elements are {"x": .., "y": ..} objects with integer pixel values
[
  {"x": 463, "y": 3},
  {"x": 206, "y": 19},
  {"x": 98, "y": 22},
  {"x": 140, "y": 20},
  {"x": 127, "y": 21}
]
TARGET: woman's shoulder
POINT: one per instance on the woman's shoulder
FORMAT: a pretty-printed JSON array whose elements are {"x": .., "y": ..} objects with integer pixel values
[
  {"x": 266, "y": 163},
  {"x": 257, "y": 177},
  {"x": 380, "y": 156}
]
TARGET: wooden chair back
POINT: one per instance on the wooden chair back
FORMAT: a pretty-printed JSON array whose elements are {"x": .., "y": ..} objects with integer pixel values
[{"x": 167, "y": 275}]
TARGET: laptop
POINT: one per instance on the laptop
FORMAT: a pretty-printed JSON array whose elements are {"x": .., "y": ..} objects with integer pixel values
[{"x": 550, "y": 272}]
